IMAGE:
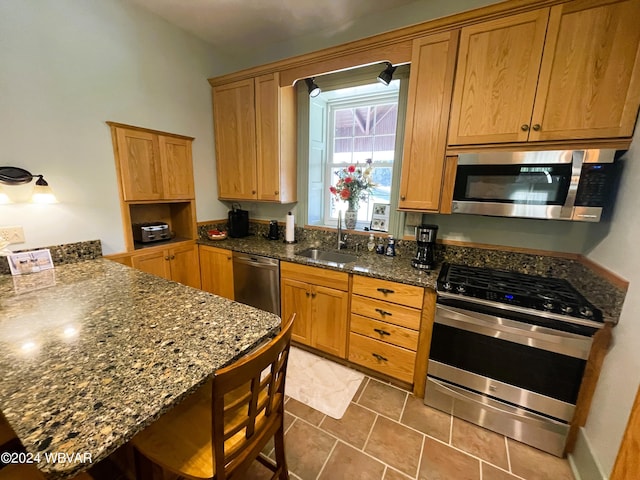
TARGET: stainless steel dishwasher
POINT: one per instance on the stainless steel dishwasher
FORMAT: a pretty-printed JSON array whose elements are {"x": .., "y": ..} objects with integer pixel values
[{"x": 256, "y": 281}]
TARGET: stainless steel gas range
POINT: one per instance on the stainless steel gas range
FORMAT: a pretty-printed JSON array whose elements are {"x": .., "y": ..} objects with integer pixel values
[{"x": 508, "y": 352}]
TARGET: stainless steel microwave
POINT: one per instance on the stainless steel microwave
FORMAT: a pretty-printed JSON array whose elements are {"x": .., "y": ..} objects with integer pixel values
[{"x": 561, "y": 184}]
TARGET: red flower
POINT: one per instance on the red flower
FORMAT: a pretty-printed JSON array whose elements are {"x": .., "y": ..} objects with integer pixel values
[
  {"x": 352, "y": 168},
  {"x": 348, "y": 180},
  {"x": 333, "y": 190},
  {"x": 345, "y": 194}
]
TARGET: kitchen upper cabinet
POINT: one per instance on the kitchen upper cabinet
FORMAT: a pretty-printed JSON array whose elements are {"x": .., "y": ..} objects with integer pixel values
[
  {"x": 255, "y": 137},
  {"x": 430, "y": 86},
  {"x": 178, "y": 263},
  {"x": 320, "y": 300},
  {"x": 496, "y": 77},
  {"x": 567, "y": 72},
  {"x": 152, "y": 166},
  {"x": 216, "y": 271},
  {"x": 589, "y": 84}
]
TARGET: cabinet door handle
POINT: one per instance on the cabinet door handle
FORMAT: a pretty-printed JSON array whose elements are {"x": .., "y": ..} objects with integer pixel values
[
  {"x": 536, "y": 127},
  {"x": 385, "y": 290},
  {"x": 166, "y": 258},
  {"x": 403, "y": 197},
  {"x": 313, "y": 295},
  {"x": 173, "y": 257},
  {"x": 253, "y": 192},
  {"x": 383, "y": 313},
  {"x": 380, "y": 357},
  {"x": 276, "y": 192},
  {"x": 524, "y": 127},
  {"x": 308, "y": 293},
  {"x": 381, "y": 332}
]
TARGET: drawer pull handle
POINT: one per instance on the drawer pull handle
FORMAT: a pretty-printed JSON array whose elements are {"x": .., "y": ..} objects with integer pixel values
[
  {"x": 385, "y": 290},
  {"x": 381, "y": 332},
  {"x": 380, "y": 357},
  {"x": 383, "y": 313}
]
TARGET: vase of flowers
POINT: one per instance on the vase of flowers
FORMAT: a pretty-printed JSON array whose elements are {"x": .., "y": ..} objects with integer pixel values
[{"x": 354, "y": 184}]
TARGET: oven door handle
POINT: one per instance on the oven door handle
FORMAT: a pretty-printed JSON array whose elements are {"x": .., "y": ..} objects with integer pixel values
[
  {"x": 564, "y": 343},
  {"x": 512, "y": 412}
]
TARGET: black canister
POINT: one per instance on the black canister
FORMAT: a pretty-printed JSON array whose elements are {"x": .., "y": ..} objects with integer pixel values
[{"x": 273, "y": 230}]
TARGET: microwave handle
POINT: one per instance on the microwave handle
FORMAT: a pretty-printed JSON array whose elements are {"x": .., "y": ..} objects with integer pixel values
[{"x": 577, "y": 159}]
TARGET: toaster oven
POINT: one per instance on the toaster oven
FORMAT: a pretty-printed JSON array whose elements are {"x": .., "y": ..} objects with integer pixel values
[{"x": 151, "y": 232}]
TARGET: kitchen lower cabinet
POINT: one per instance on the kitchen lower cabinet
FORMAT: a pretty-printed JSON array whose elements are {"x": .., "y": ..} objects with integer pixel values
[
  {"x": 178, "y": 263},
  {"x": 385, "y": 327},
  {"x": 320, "y": 300},
  {"x": 216, "y": 271}
]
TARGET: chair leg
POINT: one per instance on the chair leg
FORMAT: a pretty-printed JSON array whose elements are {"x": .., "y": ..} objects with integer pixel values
[{"x": 281, "y": 460}]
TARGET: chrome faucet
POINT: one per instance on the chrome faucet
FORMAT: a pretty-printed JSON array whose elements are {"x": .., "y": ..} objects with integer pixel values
[{"x": 340, "y": 243}]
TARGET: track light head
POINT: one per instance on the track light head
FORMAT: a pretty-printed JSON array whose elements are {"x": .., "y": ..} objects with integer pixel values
[
  {"x": 314, "y": 90},
  {"x": 386, "y": 75}
]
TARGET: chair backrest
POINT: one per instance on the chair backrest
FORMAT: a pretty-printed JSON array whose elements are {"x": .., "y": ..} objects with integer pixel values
[{"x": 248, "y": 404}]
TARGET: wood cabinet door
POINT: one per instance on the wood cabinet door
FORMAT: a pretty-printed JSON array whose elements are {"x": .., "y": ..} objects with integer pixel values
[
  {"x": 177, "y": 168},
  {"x": 155, "y": 263},
  {"x": 185, "y": 266},
  {"x": 234, "y": 122},
  {"x": 296, "y": 298},
  {"x": 268, "y": 137},
  {"x": 430, "y": 85},
  {"x": 140, "y": 165},
  {"x": 589, "y": 84},
  {"x": 496, "y": 78},
  {"x": 216, "y": 271},
  {"x": 329, "y": 324}
]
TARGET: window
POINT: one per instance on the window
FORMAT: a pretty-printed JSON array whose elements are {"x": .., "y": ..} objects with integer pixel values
[
  {"x": 353, "y": 120},
  {"x": 361, "y": 130}
]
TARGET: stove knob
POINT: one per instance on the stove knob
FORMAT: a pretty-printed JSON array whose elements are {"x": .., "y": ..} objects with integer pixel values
[
  {"x": 566, "y": 309},
  {"x": 447, "y": 286},
  {"x": 461, "y": 289},
  {"x": 548, "y": 305},
  {"x": 585, "y": 311}
]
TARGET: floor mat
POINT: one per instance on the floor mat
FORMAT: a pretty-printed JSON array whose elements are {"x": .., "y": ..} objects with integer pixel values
[{"x": 320, "y": 383}]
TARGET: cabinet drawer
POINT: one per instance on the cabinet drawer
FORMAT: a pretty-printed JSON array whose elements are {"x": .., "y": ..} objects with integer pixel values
[
  {"x": 408, "y": 295},
  {"x": 315, "y": 275},
  {"x": 382, "y": 357},
  {"x": 386, "y": 332},
  {"x": 386, "y": 312}
]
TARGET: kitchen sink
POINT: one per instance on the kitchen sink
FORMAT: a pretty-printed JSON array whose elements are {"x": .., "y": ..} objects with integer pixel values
[{"x": 327, "y": 256}]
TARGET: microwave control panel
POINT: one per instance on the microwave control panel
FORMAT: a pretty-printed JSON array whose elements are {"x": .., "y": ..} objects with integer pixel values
[{"x": 596, "y": 184}]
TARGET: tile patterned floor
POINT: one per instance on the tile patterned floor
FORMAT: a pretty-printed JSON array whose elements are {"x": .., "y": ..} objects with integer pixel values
[{"x": 387, "y": 434}]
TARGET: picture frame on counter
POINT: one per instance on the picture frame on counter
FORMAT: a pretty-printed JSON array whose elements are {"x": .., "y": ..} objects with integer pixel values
[
  {"x": 30, "y": 262},
  {"x": 380, "y": 217}
]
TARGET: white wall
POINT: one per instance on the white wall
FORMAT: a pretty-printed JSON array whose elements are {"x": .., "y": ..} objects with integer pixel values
[
  {"x": 620, "y": 377},
  {"x": 67, "y": 66}
]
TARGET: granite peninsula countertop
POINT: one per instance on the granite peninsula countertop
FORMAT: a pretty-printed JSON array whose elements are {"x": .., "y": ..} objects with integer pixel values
[{"x": 92, "y": 352}]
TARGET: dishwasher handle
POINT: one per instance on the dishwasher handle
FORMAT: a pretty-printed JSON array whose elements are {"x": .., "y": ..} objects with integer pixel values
[{"x": 255, "y": 260}]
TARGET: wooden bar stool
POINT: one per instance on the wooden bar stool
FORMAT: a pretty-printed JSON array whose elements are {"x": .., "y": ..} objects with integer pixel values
[{"x": 219, "y": 431}]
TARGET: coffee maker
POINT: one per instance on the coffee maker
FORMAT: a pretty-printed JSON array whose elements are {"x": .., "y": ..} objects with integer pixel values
[{"x": 426, "y": 239}]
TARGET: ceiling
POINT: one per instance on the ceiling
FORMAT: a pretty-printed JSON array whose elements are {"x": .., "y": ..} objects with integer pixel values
[{"x": 237, "y": 26}]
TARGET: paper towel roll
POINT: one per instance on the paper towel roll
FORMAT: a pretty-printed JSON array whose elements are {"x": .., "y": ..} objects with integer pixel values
[{"x": 290, "y": 235}]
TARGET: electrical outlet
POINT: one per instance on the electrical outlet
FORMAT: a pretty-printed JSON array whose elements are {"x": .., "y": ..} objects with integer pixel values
[{"x": 12, "y": 234}]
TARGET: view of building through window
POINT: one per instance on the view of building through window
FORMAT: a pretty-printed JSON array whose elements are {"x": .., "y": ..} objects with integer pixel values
[{"x": 362, "y": 127}]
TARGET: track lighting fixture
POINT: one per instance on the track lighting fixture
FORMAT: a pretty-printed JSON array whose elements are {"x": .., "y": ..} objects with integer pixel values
[
  {"x": 42, "y": 192},
  {"x": 314, "y": 90},
  {"x": 387, "y": 74}
]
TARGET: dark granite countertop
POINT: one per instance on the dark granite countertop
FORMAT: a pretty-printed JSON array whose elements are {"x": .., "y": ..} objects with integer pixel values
[
  {"x": 597, "y": 290},
  {"x": 93, "y": 351},
  {"x": 371, "y": 264}
]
